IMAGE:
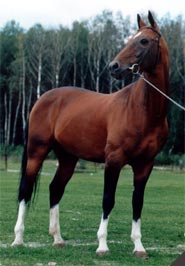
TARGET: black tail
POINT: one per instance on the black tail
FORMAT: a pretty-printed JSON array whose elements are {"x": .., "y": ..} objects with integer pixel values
[{"x": 26, "y": 186}]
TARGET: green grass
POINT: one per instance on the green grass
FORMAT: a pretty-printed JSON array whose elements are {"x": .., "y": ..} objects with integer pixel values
[{"x": 162, "y": 221}]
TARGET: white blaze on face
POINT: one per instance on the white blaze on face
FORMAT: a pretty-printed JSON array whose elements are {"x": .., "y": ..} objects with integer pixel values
[{"x": 137, "y": 35}]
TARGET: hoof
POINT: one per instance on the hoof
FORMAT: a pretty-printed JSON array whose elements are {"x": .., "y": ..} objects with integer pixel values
[
  {"x": 102, "y": 252},
  {"x": 17, "y": 244},
  {"x": 141, "y": 254},
  {"x": 59, "y": 245}
]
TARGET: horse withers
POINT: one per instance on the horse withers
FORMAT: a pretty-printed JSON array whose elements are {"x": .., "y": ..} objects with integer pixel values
[{"x": 126, "y": 127}]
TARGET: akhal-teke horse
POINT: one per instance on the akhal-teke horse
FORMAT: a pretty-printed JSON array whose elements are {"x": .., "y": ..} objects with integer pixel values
[{"x": 125, "y": 127}]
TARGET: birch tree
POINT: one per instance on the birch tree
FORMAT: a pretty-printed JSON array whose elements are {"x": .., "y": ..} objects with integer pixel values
[
  {"x": 104, "y": 42},
  {"x": 35, "y": 51},
  {"x": 57, "y": 44}
]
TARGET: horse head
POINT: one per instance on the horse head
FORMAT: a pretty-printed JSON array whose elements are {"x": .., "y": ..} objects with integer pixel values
[{"x": 141, "y": 53}]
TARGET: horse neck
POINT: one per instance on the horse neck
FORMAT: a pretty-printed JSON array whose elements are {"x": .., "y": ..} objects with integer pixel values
[{"x": 154, "y": 104}]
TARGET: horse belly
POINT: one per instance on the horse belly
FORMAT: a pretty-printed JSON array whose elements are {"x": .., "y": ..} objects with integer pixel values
[{"x": 82, "y": 137}]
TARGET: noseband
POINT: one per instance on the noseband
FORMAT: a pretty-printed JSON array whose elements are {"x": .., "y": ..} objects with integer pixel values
[{"x": 135, "y": 68}]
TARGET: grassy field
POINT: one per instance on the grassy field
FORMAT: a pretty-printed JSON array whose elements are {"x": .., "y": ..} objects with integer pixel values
[{"x": 162, "y": 221}]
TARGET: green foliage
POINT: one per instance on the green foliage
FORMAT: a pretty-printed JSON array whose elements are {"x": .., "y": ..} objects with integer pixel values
[
  {"x": 14, "y": 152},
  {"x": 177, "y": 160},
  {"x": 163, "y": 159},
  {"x": 162, "y": 221}
]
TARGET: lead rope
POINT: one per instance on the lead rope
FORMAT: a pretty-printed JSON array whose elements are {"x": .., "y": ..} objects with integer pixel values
[{"x": 135, "y": 70}]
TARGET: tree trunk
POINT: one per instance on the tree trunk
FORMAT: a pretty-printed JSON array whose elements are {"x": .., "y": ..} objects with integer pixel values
[
  {"x": 16, "y": 118},
  {"x": 5, "y": 131},
  {"x": 29, "y": 101},
  {"x": 23, "y": 95},
  {"x": 74, "y": 73},
  {"x": 39, "y": 76},
  {"x": 9, "y": 119},
  {"x": 57, "y": 75}
]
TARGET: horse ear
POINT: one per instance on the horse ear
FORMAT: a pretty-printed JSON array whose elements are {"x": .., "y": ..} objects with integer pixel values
[
  {"x": 152, "y": 21},
  {"x": 140, "y": 22}
]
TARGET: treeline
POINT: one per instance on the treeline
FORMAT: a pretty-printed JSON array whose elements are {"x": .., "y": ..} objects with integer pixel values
[{"x": 36, "y": 60}]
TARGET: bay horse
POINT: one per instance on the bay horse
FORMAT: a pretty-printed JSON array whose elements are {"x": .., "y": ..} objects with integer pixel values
[{"x": 125, "y": 127}]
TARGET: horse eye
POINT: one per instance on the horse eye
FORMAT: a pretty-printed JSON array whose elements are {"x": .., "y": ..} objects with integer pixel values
[{"x": 144, "y": 41}]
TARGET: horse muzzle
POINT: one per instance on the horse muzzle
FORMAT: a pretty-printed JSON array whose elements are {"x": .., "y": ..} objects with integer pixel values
[{"x": 117, "y": 71}]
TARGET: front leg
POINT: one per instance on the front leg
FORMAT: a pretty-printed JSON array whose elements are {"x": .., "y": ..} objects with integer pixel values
[
  {"x": 141, "y": 175},
  {"x": 102, "y": 237},
  {"x": 111, "y": 176}
]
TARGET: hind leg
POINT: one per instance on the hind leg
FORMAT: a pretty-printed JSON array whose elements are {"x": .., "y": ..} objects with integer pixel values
[
  {"x": 19, "y": 227},
  {"x": 63, "y": 174},
  {"x": 28, "y": 180}
]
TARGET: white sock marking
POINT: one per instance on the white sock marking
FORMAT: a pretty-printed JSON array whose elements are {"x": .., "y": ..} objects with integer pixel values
[
  {"x": 136, "y": 236},
  {"x": 54, "y": 226},
  {"x": 19, "y": 227},
  {"x": 102, "y": 236}
]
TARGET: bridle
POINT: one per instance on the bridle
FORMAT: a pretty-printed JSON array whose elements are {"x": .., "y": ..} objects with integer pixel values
[{"x": 135, "y": 68}]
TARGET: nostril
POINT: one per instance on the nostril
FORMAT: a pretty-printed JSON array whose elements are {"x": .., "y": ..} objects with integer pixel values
[{"x": 114, "y": 66}]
